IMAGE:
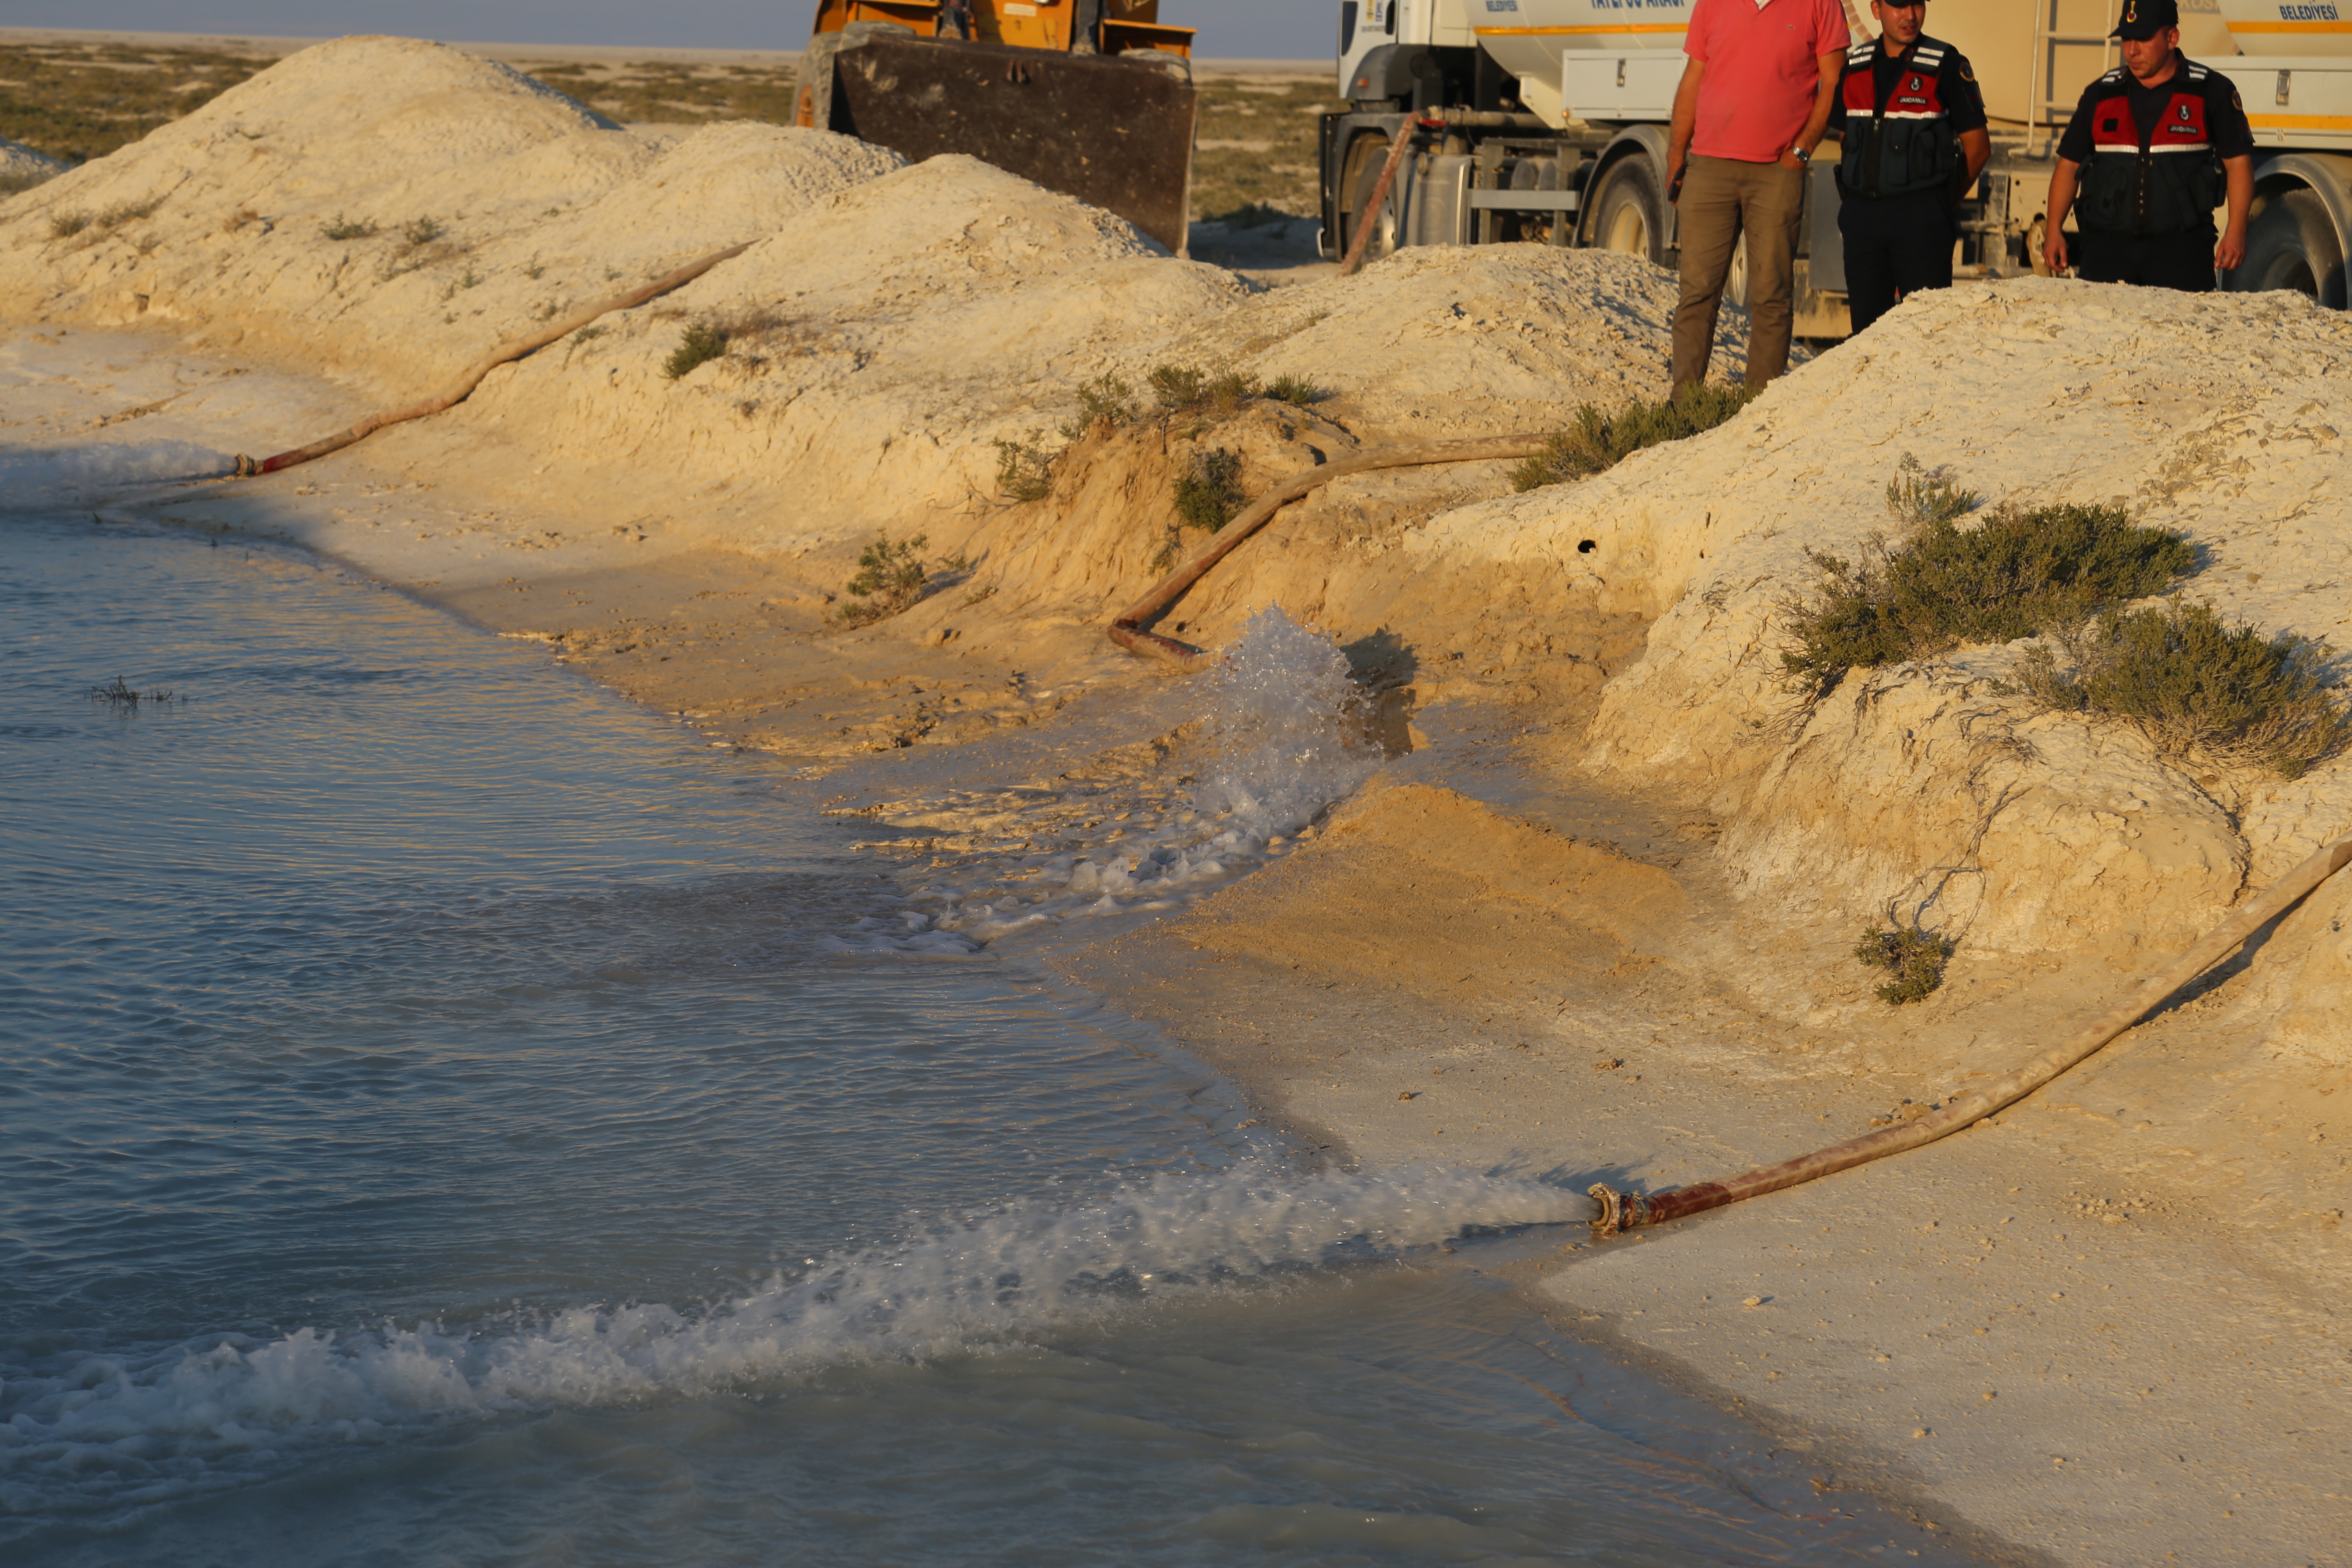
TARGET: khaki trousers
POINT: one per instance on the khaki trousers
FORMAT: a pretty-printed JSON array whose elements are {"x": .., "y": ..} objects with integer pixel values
[{"x": 1723, "y": 198}]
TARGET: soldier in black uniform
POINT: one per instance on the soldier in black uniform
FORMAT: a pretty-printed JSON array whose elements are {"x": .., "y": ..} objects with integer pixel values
[
  {"x": 1914, "y": 141},
  {"x": 2153, "y": 147}
]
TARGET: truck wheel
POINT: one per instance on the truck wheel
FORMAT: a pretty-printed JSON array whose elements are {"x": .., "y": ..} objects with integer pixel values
[
  {"x": 2291, "y": 244},
  {"x": 1629, "y": 215}
]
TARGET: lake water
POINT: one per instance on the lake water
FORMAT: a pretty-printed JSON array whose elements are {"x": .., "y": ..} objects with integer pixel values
[{"x": 448, "y": 1115}]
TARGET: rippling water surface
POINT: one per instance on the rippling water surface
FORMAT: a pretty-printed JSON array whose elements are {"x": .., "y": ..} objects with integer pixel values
[{"x": 448, "y": 1115}]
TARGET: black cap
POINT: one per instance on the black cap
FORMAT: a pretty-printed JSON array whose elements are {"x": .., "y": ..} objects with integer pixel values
[{"x": 2147, "y": 18}]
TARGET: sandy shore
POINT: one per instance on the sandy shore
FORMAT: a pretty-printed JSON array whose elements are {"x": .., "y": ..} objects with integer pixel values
[{"x": 1593, "y": 915}]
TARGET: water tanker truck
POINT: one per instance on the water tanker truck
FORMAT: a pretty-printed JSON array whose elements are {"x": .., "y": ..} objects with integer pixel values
[{"x": 1545, "y": 122}]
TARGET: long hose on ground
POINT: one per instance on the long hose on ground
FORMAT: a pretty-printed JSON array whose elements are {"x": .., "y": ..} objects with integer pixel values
[
  {"x": 1624, "y": 1211},
  {"x": 513, "y": 349}
]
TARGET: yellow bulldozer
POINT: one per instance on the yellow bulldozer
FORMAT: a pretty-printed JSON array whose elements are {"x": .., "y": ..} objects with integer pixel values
[{"x": 1091, "y": 98}]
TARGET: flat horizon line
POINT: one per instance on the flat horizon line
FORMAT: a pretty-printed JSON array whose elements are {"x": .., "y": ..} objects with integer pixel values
[{"x": 508, "y": 53}]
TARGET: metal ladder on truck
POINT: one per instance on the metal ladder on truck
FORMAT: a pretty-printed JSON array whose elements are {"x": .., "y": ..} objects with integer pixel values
[{"x": 2045, "y": 113}]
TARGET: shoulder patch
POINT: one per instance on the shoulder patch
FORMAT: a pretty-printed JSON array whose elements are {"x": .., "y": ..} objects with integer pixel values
[
  {"x": 2198, "y": 73},
  {"x": 2112, "y": 78}
]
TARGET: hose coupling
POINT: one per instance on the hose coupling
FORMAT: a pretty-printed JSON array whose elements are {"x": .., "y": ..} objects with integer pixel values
[
  {"x": 245, "y": 466},
  {"x": 1619, "y": 1211}
]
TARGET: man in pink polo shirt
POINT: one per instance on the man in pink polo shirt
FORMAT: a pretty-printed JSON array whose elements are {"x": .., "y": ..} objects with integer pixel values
[{"x": 1754, "y": 102}]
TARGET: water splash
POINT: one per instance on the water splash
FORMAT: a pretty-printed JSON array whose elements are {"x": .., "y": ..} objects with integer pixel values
[
  {"x": 36, "y": 480},
  {"x": 1286, "y": 744},
  {"x": 1280, "y": 722},
  {"x": 103, "y": 1422}
]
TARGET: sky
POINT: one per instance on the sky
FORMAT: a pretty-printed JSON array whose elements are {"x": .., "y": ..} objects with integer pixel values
[{"x": 1229, "y": 29}]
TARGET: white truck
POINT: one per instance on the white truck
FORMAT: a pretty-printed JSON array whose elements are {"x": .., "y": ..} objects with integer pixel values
[{"x": 1545, "y": 121}]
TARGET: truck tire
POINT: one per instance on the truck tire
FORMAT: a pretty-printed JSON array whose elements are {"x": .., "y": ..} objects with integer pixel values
[
  {"x": 2291, "y": 244},
  {"x": 1629, "y": 213}
]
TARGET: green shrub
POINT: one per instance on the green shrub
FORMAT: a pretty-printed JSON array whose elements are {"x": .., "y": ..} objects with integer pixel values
[
  {"x": 1296, "y": 390},
  {"x": 701, "y": 343},
  {"x": 1916, "y": 497},
  {"x": 421, "y": 231},
  {"x": 1914, "y": 960},
  {"x": 2013, "y": 575},
  {"x": 1023, "y": 470},
  {"x": 347, "y": 228},
  {"x": 1107, "y": 398},
  {"x": 1209, "y": 489},
  {"x": 1599, "y": 441},
  {"x": 65, "y": 225},
  {"x": 2198, "y": 686},
  {"x": 889, "y": 578},
  {"x": 1188, "y": 389}
]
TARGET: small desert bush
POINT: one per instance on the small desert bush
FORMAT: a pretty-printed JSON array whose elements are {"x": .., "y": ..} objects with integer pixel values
[
  {"x": 889, "y": 578},
  {"x": 1105, "y": 399},
  {"x": 1597, "y": 441},
  {"x": 347, "y": 228},
  {"x": 701, "y": 343},
  {"x": 1914, "y": 960},
  {"x": 65, "y": 225},
  {"x": 2013, "y": 575},
  {"x": 1188, "y": 389},
  {"x": 1295, "y": 390},
  {"x": 1209, "y": 489},
  {"x": 2198, "y": 686},
  {"x": 1916, "y": 497},
  {"x": 119, "y": 213},
  {"x": 1025, "y": 470},
  {"x": 419, "y": 232}
]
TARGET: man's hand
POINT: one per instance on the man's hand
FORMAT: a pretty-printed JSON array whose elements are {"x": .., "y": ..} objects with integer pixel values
[
  {"x": 1788, "y": 160},
  {"x": 2231, "y": 254},
  {"x": 2062, "y": 200},
  {"x": 1680, "y": 126},
  {"x": 2053, "y": 251}
]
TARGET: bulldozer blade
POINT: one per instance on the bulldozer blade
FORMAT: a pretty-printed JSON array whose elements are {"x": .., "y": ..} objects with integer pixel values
[{"x": 1114, "y": 133}]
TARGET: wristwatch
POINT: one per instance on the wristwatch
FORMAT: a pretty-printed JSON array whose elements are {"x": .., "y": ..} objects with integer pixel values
[{"x": 1800, "y": 155}]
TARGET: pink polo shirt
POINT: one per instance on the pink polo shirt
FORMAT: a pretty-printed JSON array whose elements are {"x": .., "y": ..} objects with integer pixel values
[{"x": 1762, "y": 72}]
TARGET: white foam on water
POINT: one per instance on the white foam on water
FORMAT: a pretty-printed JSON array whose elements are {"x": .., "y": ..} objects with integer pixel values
[
  {"x": 1286, "y": 743},
  {"x": 108, "y": 1430},
  {"x": 32, "y": 479}
]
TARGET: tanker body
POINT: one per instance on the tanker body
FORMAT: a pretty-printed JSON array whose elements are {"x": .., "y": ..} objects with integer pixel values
[{"x": 1545, "y": 121}]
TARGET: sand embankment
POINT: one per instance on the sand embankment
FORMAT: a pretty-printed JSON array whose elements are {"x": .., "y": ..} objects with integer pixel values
[{"x": 1615, "y": 838}]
